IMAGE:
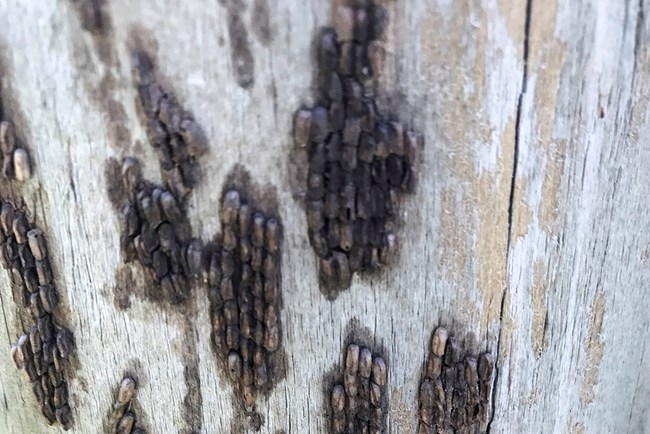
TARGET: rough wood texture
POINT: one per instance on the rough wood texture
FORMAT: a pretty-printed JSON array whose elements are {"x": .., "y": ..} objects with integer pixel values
[{"x": 548, "y": 274}]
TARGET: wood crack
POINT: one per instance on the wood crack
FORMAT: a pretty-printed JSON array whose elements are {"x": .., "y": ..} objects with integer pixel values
[{"x": 529, "y": 7}]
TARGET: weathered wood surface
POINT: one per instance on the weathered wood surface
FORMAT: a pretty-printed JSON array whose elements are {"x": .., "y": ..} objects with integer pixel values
[{"x": 551, "y": 279}]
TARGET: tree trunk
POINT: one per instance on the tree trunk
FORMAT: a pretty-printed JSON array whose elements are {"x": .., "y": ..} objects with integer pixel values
[{"x": 527, "y": 235}]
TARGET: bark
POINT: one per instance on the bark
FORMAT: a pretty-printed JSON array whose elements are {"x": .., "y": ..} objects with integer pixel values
[{"x": 527, "y": 237}]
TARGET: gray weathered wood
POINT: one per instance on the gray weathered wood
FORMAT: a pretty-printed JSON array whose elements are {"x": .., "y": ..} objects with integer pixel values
[{"x": 558, "y": 290}]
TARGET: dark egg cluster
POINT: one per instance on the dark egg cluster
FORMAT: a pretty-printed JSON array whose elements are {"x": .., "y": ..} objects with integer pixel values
[
  {"x": 359, "y": 405},
  {"x": 244, "y": 291},
  {"x": 123, "y": 418},
  {"x": 456, "y": 391},
  {"x": 155, "y": 230},
  {"x": 172, "y": 130},
  {"x": 15, "y": 160},
  {"x": 43, "y": 349},
  {"x": 359, "y": 163}
]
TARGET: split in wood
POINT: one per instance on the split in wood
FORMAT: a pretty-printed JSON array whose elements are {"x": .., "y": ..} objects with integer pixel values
[
  {"x": 244, "y": 290},
  {"x": 43, "y": 349},
  {"x": 171, "y": 129},
  {"x": 359, "y": 163},
  {"x": 359, "y": 404},
  {"x": 456, "y": 389},
  {"x": 15, "y": 160},
  {"x": 123, "y": 418}
]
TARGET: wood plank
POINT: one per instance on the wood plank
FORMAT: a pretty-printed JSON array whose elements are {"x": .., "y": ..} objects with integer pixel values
[
  {"x": 576, "y": 321},
  {"x": 572, "y": 276}
]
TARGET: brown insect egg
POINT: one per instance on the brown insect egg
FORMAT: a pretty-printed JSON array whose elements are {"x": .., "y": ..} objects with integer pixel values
[
  {"x": 376, "y": 57},
  {"x": 249, "y": 395},
  {"x": 64, "y": 342},
  {"x": 234, "y": 366},
  {"x": 344, "y": 22},
  {"x": 315, "y": 220},
  {"x": 375, "y": 395},
  {"x": 194, "y": 138},
  {"x": 439, "y": 341},
  {"x": 261, "y": 374},
  {"x": 230, "y": 209},
  {"x": 338, "y": 423},
  {"x": 48, "y": 412},
  {"x": 452, "y": 352},
  {"x": 20, "y": 227},
  {"x": 60, "y": 396},
  {"x": 126, "y": 423},
  {"x": 350, "y": 384},
  {"x": 36, "y": 306},
  {"x": 272, "y": 235},
  {"x": 379, "y": 371},
  {"x": 35, "y": 339},
  {"x": 43, "y": 272},
  {"x": 64, "y": 417},
  {"x": 170, "y": 207},
  {"x": 338, "y": 399},
  {"x": 410, "y": 147},
  {"x": 36, "y": 241},
  {"x": 22, "y": 167},
  {"x": 272, "y": 338},
  {"x": 328, "y": 51},
  {"x": 127, "y": 390},
  {"x": 18, "y": 356},
  {"x": 7, "y": 137},
  {"x": 8, "y": 165},
  {"x": 352, "y": 359},
  {"x": 7, "y": 218},
  {"x": 486, "y": 367},
  {"x": 195, "y": 258},
  {"x": 365, "y": 362},
  {"x": 131, "y": 173},
  {"x": 258, "y": 230},
  {"x": 302, "y": 128}
]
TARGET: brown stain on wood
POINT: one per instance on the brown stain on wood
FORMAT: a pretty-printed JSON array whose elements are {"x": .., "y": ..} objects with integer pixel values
[
  {"x": 192, "y": 406},
  {"x": 551, "y": 207},
  {"x": 124, "y": 287},
  {"x": 595, "y": 347},
  {"x": 513, "y": 14},
  {"x": 261, "y": 22},
  {"x": 474, "y": 216},
  {"x": 241, "y": 55},
  {"x": 115, "y": 190},
  {"x": 103, "y": 90},
  {"x": 578, "y": 428},
  {"x": 522, "y": 212},
  {"x": 546, "y": 59},
  {"x": 401, "y": 412},
  {"x": 538, "y": 298}
]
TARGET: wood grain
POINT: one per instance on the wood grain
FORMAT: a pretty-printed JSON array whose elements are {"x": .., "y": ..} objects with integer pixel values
[{"x": 551, "y": 280}]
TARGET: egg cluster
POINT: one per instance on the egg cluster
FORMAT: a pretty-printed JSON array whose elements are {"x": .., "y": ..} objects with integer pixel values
[
  {"x": 358, "y": 162},
  {"x": 359, "y": 404},
  {"x": 155, "y": 230},
  {"x": 456, "y": 391},
  {"x": 123, "y": 419},
  {"x": 171, "y": 129},
  {"x": 244, "y": 282},
  {"x": 43, "y": 349}
]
